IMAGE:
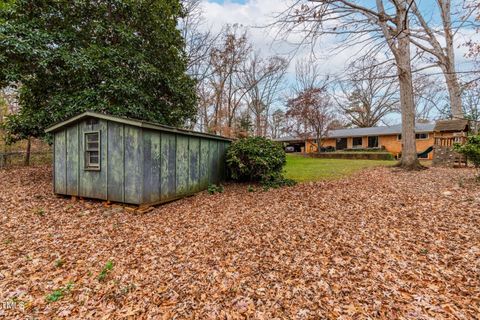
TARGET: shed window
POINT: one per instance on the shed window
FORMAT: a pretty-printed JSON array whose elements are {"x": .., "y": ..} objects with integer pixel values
[{"x": 92, "y": 150}]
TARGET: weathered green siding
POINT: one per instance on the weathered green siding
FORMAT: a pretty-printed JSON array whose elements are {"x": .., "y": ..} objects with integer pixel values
[
  {"x": 116, "y": 162},
  {"x": 213, "y": 170},
  {"x": 60, "y": 183},
  {"x": 133, "y": 164},
  {"x": 182, "y": 165},
  {"x": 72, "y": 160},
  {"x": 151, "y": 171},
  {"x": 93, "y": 184},
  {"x": 204, "y": 163},
  {"x": 168, "y": 166},
  {"x": 137, "y": 165},
  {"x": 193, "y": 164}
]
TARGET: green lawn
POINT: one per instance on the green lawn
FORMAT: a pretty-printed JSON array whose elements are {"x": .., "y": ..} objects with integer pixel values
[{"x": 303, "y": 169}]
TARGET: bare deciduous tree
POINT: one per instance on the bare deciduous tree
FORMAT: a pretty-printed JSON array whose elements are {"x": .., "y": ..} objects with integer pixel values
[
  {"x": 313, "y": 108},
  {"x": 471, "y": 105},
  {"x": 199, "y": 42},
  {"x": 278, "y": 124},
  {"x": 426, "y": 36},
  {"x": 368, "y": 94},
  {"x": 262, "y": 78},
  {"x": 359, "y": 24},
  {"x": 429, "y": 95},
  {"x": 227, "y": 60}
]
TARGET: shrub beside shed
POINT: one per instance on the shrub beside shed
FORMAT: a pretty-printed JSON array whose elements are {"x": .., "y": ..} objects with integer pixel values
[{"x": 131, "y": 161}]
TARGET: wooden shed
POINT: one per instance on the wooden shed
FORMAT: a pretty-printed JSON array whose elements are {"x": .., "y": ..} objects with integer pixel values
[{"x": 131, "y": 161}]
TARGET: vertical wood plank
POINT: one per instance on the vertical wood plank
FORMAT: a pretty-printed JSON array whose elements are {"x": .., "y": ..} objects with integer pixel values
[
  {"x": 133, "y": 165},
  {"x": 221, "y": 160},
  {"x": 204, "y": 163},
  {"x": 167, "y": 165},
  {"x": 194, "y": 164},
  {"x": 182, "y": 170},
  {"x": 151, "y": 163},
  {"x": 115, "y": 163},
  {"x": 72, "y": 160},
  {"x": 213, "y": 162},
  {"x": 60, "y": 162}
]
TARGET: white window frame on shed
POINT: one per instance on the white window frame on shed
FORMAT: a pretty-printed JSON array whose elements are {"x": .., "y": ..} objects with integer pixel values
[{"x": 90, "y": 150}]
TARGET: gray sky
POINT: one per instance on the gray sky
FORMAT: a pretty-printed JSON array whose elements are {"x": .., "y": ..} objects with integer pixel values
[{"x": 257, "y": 13}]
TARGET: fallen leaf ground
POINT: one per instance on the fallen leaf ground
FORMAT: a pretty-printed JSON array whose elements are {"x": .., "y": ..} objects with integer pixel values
[{"x": 378, "y": 244}]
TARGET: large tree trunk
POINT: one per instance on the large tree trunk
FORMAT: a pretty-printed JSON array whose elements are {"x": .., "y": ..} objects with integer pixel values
[
  {"x": 454, "y": 91},
  {"x": 445, "y": 54},
  {"x": 317, "y": 141},
  {"x": 409, "y": 151},
  {"x": 258, "y": 124},
  {"x": 453, "y": 85},
  {"x": 28, "y": 152}
]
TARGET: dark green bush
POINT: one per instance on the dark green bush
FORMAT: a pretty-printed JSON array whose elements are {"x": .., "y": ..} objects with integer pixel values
[
  {"x": 256, "y": 159},
  {"x": 276, "y": 181},
  {"x": 471, "y": 149},
  {"x": 213, "y": 188}
]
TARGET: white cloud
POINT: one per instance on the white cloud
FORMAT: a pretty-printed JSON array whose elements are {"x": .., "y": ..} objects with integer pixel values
[{"x": 256, "y": 14}]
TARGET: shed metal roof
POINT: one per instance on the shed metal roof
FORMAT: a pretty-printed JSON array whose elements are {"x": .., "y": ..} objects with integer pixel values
[
  {"x": 372, "y": 131},
  {"x": 132, "y": 122}
]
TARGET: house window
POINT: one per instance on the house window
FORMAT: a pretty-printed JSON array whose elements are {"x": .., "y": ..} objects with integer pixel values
[
  {"x": 418, "y": 136},
  {"x": 421, "y": 136},
  {"x": 357, "y": 142},
  {"x": 92, "y": 150},
  {"x": 373, "y": 142},
  {"x": 341, "y": 143}
]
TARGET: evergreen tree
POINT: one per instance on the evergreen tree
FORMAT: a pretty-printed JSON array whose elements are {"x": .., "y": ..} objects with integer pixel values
[{"x": 121, "y": 57}]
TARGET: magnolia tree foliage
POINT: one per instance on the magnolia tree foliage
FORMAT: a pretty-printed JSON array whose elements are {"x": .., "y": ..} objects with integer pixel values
[{"x": 121, "y": 57}]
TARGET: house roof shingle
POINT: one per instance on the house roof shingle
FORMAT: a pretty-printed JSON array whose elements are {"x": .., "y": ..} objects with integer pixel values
[
  {"x": 372, "y": 131},
  {"x": 451, "y": 125}
]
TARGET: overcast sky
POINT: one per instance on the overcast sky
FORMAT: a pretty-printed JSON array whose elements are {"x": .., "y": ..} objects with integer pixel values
[{"x": 257, "y": 13}]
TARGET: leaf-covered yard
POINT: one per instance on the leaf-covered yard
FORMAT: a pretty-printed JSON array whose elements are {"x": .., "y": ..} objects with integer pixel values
[{"x": 380, "y": 244}]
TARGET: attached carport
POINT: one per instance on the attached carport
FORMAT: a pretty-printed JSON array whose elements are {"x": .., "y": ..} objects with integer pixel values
[{"x": 298, "y": 144}]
